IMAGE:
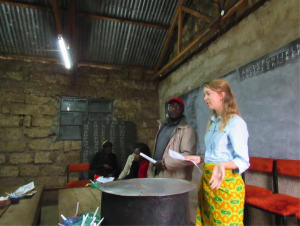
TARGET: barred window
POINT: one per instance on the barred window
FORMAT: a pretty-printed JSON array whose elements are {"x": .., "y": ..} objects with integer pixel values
[{"x": 73, "y": 111}]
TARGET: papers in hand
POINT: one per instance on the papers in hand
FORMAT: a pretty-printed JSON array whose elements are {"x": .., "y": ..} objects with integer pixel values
[
  {"x": 105, "y": 179},
  {"x": 176, "y": 155},
  {"x": 148, "y": 158}
]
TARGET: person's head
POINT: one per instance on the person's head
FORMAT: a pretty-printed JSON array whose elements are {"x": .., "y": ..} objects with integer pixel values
[
  {"x": 220, "y": 99},
  {"x": 175, "y": 108},
  {"x": 141, "y": 148},
  {"x": 107, "y": 146}
]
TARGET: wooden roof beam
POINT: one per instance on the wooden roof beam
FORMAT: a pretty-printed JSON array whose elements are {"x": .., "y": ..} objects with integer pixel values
[
  {"x": 180, "y": 28},
  {"x": 197, "y": 14},
  {"x": 57, "y": 16},
  {"x": 28, "y": 57},
  {"x": 83, "y": 63},
  {"x": 159, "y": 26},
  {"x": 213, "y": 27},
  {"x": 73, "y": 29},
  {"x": 170, "y": 32}
]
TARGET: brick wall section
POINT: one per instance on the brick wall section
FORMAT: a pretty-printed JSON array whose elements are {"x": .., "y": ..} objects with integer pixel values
[{"x": 29, "y": 106}]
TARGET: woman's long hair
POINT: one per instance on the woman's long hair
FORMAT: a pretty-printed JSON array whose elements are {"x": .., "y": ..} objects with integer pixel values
[
  {"x": 143, "y": 149},
  {"x": 230, "y": 107}
]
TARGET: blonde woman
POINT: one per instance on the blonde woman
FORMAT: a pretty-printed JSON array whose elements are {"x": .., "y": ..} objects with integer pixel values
[{"x": 222, "y": 191}]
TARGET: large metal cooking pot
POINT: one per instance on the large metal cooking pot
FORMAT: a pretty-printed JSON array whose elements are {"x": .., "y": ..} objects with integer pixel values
[{"x": 149, "y": 201}]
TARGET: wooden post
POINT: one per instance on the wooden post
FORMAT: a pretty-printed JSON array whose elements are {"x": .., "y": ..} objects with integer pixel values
[
  {"x": 180, "y": 21},
  {"x": 170, "y": 32},
  {"x": 197, "y": 14},
  {"x": 213, "y": 27},
  {"x": 57, "y": 16}
]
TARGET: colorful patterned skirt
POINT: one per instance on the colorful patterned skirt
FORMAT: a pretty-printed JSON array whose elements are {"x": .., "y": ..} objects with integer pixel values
[{"x": 224, "y": 206}]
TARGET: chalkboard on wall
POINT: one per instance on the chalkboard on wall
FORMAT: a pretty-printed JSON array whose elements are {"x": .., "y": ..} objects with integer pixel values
[
  {"x": 120, "y": 133},
  {"x": 267, "y": 92}
]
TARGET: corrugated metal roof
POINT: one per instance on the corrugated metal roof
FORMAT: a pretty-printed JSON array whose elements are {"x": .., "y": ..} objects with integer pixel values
[
  {"x": 33, "y": 31},
  {"x": 27, "y": 31}
]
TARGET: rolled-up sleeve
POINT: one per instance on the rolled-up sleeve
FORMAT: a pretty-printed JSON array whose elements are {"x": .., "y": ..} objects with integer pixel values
[{"x": 238, "y": 136}]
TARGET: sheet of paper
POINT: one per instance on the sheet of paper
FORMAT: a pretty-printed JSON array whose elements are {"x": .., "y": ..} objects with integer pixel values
[
  {"x": 148, "y": 158},
  {"x": 25, "y": 188},
  {"x": 105, "y": 179},
  {"x": 176, "y": 155}
]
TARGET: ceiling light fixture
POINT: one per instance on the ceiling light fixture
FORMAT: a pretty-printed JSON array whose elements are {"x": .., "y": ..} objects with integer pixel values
[{"x": 64, "y": 51}]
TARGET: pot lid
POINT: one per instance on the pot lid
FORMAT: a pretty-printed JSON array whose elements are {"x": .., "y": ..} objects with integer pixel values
[{"x": 148, "y": 187}]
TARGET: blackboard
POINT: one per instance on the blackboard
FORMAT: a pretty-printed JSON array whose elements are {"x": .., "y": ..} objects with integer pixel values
[
  {"x": 120, "y": 133},
  {"x": 268, "y": 96}
]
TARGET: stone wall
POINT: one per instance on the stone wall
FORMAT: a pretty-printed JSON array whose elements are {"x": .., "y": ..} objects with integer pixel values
[
  {"x": 272, "y": 26},
  {"x": 29, "y": 106}
]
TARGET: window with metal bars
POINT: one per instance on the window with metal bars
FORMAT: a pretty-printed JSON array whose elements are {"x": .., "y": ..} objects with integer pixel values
[{"x": 73, "y": 111}]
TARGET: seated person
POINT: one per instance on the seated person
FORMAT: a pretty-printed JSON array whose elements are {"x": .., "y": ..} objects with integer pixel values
[
  {"x": 136, "y": 166},
  {"x": 105, "y": 162}
]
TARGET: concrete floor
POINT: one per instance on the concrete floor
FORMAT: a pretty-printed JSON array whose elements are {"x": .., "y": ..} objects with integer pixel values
[{"x": 49, "y": 214}]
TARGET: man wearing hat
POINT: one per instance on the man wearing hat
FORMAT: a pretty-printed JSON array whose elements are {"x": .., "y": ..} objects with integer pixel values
[{"x": 175, "y": 134}]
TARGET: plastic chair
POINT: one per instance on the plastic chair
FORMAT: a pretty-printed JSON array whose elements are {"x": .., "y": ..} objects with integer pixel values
[
  {"x": 265, "y": 165},
  {"x": 81, "y": 167},
  {"x": 261, "y": 165},
  {"x": 282, "y": 205}
]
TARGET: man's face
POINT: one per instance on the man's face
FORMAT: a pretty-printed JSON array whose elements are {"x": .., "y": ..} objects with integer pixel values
[
  {"x": 175, "y": 110},
  {"x": 108, "y": 150}
]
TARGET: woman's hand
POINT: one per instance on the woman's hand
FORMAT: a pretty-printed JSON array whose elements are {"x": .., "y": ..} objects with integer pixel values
[
  {"x": 195, "y": 158},
  {"x": 217, "y": 176}
]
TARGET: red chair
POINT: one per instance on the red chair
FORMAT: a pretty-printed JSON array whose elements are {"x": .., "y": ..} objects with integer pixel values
[
  {"x": 81, "y": 167},
  {"x": 261, "y": 165},
  {"x": 282, "y": 205},
  {"x": 265, "y": 165}
]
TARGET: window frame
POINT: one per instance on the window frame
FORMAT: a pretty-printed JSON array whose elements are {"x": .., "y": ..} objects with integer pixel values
[{"x": 87, "y": 112}]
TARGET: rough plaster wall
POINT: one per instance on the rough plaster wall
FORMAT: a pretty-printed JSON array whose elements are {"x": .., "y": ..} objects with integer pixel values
[
  {"x": 29, "y": 95},
  {"x": 272, "y": 26}
]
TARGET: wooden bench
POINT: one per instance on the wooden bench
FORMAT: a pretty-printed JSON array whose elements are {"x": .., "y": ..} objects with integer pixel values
[
  {"x": 89, "y": 199},
  {"x": 26, "y": 212}
]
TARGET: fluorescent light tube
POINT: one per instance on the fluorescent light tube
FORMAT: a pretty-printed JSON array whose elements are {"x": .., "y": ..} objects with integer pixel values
[{"x": 64, "y": 51}]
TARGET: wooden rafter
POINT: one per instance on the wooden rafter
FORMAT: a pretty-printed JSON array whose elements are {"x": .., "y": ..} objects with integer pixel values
[
  {"x": 180, "y": 27},
  {"x": 213, "y": 27},
  {"x": 35, "y": 58},
  {"x": 170, "y": 32},
  {"x": 159, "y": 26},
  {"x": 123, "y": 21},
  {"x": 73, "y": 27},
  {"x": 69, "y": 27},
  {"x": 57, "y": 16},
  {"x": 197, "y": 14},
  {"x": 115, "y": 66},
  {"x": 91, "y": 64}
]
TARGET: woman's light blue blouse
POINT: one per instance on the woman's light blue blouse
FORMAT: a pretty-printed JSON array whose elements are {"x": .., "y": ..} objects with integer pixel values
[{"x": 229, "y": 144}]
